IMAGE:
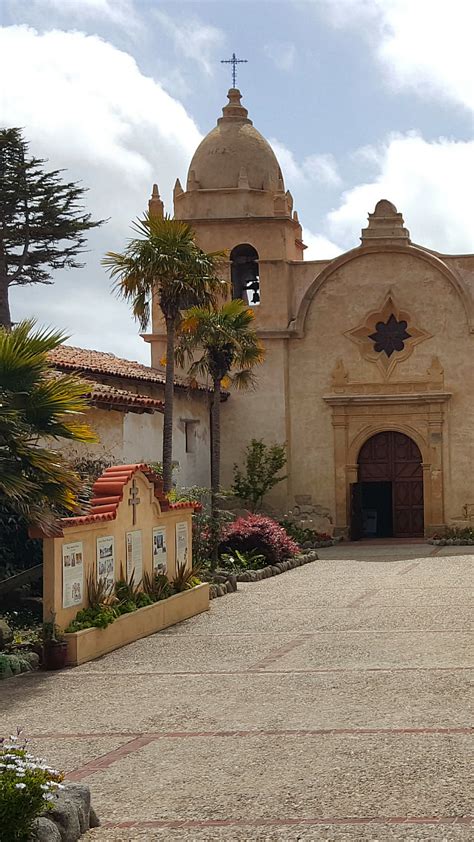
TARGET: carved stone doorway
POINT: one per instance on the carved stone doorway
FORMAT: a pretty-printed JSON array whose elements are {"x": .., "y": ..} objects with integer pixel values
[{"x": 388, "y": 497}]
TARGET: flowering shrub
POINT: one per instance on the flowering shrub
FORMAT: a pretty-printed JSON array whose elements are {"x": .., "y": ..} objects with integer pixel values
[
  {"x": 26, "y": 787},
  {"x": 261, "y": 534}
]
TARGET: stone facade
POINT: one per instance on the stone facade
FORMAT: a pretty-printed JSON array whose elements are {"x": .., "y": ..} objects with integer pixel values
[{"x": 380, "y": 338}]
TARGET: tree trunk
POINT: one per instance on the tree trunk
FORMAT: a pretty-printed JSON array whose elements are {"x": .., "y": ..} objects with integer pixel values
[
  {"x": 5, "y": 317},
  {"x": 168, "y": 415},
  {"x": 215, "y": 467}
]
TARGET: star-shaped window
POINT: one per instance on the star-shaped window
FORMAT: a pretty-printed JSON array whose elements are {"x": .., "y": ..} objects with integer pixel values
[{"x": 390, "y": 336}]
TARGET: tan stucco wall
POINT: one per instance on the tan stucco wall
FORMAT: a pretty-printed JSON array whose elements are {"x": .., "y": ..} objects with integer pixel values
[
  {"x": 340, "y": 305},
  {"x": 133, "y": 437},
  {"x": 148, "y": 515}
]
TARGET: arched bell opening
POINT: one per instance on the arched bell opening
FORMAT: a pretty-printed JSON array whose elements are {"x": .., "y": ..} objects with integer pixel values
[
  {"x": 245, "y": 274},
  {"x": 387, "y": 501}
]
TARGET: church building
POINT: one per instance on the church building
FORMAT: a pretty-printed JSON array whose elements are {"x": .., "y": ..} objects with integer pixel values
[{"x": 368, "y": 374}]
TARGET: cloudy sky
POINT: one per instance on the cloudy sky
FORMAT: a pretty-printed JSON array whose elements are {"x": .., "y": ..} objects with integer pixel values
[{"x": 361, "y": 100}]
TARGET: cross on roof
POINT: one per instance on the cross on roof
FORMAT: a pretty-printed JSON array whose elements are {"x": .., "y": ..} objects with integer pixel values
[
  {"x": 234, "y": 61},
  {"x": 134, "y": 501}
]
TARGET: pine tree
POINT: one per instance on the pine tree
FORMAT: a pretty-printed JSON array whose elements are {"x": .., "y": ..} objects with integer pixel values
[{"x": 42, "y": 221}]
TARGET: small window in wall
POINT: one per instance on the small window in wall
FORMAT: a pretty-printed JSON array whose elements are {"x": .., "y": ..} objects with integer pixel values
[
  {"x": 190, "y": 434},
  {"x": 245, "y": 274}
]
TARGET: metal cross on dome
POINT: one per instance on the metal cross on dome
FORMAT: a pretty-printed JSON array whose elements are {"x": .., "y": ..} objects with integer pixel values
[{"x": 234, "y": 61}]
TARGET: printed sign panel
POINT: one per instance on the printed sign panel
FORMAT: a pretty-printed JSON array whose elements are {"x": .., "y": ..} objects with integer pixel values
[
  {"x": 134, "y": 555},
  {"x": 160, "y": 562},
  {"x": 106, "y": 560},
  {"x": 182, "y": 543},
  {"x": 73, "y": 574}
]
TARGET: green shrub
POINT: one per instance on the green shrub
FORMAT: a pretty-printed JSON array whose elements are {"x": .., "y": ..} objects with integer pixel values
[
  {"x": 252, "y": 560},
  {"x": 94, "y": 617},
  {"x": 26, "y": 787},
  {"x": 301, "y": 534},
  {"x": 259, "y": 534},
  {"x": 262, "y": 464}
]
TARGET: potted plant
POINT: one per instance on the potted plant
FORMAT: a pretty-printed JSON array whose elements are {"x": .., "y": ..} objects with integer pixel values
[{"x": 54, "y": 646}]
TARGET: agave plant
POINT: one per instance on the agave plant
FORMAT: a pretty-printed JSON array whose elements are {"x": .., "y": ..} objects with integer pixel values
[
  {"x": 186, "y": 577},
  {"x": 157, "y": 586}
]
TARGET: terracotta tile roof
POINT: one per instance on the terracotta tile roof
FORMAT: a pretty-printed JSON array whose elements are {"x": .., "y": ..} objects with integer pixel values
[
  {"x": 101, "y": 394},
  {"x": 108, "y": 492},
  {"x": 85, "y": 360}
]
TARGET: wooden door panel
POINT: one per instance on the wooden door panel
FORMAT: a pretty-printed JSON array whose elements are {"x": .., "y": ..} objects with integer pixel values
[{"x": 393, "y": 457}]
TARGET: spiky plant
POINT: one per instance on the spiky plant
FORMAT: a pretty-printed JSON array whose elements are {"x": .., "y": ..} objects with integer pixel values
[{"x": 36, "y": 410}]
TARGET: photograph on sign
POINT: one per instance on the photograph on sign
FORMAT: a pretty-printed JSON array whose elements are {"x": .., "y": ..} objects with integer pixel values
[
  {"x": 106, "y": 560},
  {"x": 73, "y": 574},
  {"x": 159, "y": 549}
]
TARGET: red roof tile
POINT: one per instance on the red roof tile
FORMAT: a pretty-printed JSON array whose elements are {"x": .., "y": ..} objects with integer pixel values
[
  {"x": 102, "y": 394},
  {"x": 85, "y": 360},
  {"x": 108, "y": 492}
]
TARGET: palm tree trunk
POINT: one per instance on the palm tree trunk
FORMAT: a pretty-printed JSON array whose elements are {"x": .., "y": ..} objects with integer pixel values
[
  {"x": 168, "y": 414},
  {"x": 215, "y": 467}
]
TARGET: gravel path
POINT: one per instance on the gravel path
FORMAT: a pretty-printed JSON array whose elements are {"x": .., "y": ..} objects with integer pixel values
[{"x": 329, "y": 703}]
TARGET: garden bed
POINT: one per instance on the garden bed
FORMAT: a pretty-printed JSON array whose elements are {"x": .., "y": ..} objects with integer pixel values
[
  {"x": 87, "y": 644},
  {"x": 225, "y": 582}
]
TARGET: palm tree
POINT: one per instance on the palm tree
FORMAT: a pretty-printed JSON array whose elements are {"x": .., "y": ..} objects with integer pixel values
[
  {"x": 226, "y": 340},
  {"x": 164, "y": 261},
  {"x": 37, "y": 406}
]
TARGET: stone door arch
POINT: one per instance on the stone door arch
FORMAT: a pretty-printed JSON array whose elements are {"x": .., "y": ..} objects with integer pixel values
[
  {"x": 390, "y": 473},
  {"x": 358, "y": 417}
]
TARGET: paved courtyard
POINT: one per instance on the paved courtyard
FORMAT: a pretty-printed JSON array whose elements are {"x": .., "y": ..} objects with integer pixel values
[{"x": 329, "y": 703}]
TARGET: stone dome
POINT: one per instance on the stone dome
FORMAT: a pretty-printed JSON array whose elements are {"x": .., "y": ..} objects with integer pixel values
[{"x": 234, "y": 154}]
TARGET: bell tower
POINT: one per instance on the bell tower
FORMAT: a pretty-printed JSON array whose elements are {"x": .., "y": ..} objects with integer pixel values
[{"x": 235, "y": 200}]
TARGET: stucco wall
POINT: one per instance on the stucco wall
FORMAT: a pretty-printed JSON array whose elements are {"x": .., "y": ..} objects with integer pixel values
[
  {"x": 126, "y": 438},
  {"x": 339, "y": 306},
  {"x": 148, "y": 515},
  {"x": 257, "y": 413}
]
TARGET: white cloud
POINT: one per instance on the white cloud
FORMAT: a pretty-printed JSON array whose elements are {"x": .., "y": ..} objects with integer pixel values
[
  {"x": 281, "y": 53},
  {"x": 86, "y": 106},
  {"x": 319, "y": 247},
  {"x": 431, "y": 183},
  {"x": 314, "y": 168},
  {"x": 322, "y": 168},
  {"x": 120, "y": 12},
  {"x": 425, "y": 45},
  {"x": 193, "y": 39}
]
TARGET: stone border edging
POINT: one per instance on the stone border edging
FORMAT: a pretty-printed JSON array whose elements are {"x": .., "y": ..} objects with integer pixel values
[
  {"x": 451, "y": 542},
  {"x": 230, "y": 585},
  {"x": 71, "y": 815}
]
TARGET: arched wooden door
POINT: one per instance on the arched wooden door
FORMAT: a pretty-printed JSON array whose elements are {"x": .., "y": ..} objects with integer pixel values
[{"x": 391, "y": 457}]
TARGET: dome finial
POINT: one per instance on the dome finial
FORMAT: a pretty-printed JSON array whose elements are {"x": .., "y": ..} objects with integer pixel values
[{"x": 234, "y": 110}]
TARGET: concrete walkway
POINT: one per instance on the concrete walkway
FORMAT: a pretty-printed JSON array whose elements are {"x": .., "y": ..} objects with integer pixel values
[{"x": 329, "y": 703}]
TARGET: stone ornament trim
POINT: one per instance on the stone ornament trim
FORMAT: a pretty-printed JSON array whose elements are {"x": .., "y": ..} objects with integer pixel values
[
  {"x": 363, "y": 335},
  {"x": 225, "y": 587}
]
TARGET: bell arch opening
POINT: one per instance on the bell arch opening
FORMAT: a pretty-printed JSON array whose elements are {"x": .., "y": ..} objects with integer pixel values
[
  {"x": 245, "y": 273},
  {"x": 387, "y": 501}
]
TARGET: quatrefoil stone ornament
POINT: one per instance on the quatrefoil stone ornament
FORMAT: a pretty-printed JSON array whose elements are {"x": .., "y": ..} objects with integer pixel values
[
  {"x": 387, "y": 336},
  {"x": 390, "y": 336}
]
